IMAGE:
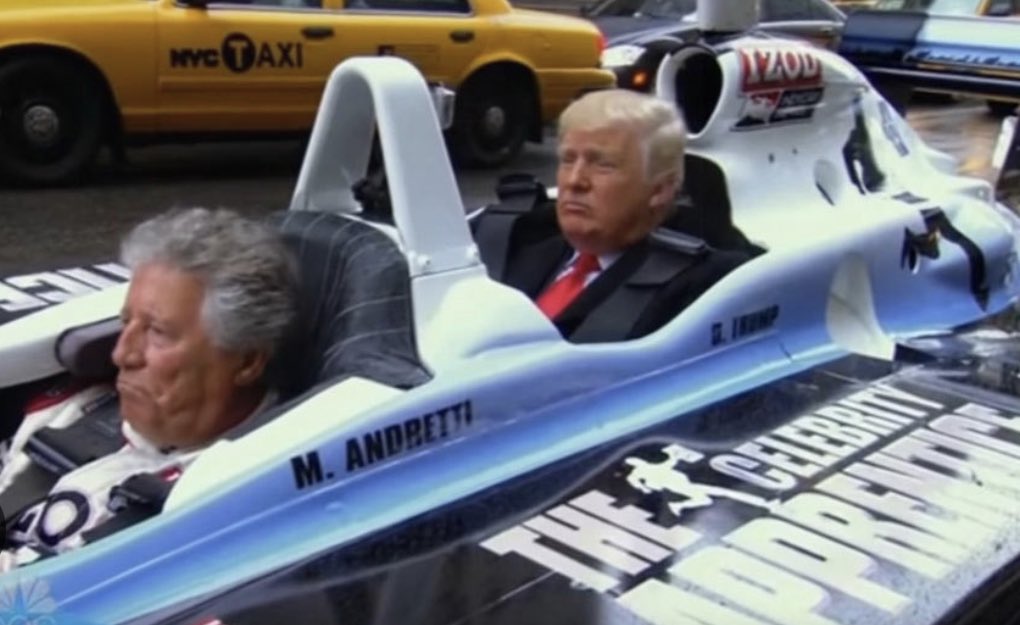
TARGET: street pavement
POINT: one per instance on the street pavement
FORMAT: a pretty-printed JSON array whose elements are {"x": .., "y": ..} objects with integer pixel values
[{"x": 52, "y": 228}]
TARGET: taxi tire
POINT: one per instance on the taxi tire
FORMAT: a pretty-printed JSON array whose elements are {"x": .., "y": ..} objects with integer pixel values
[
  {"x": 469, "y": 144},
  {"x": 78, "y": 103}
]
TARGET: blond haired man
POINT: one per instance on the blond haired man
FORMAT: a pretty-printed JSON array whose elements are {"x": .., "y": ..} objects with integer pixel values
[{"x": 603, "y": 271}]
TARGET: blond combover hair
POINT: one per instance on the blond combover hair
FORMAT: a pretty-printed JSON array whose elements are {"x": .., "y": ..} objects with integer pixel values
[{"x": 662, "y": 131}]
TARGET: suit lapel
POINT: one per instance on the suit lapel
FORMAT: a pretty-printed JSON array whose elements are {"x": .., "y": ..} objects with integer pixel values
[
  {"x": 600, "y": 288},
  {"x": 536, "y": 265}
]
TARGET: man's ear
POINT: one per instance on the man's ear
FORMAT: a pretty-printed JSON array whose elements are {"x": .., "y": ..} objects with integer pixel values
[
  {"x": 251, "y": 367},
  {"x": 664, "y": 189}
]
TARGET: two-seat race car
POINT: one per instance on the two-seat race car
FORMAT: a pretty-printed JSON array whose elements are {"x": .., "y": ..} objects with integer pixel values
[{"x": 766, "y": 457}]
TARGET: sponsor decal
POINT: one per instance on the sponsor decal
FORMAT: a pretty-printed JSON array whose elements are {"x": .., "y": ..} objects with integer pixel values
[
  {"x": 27, "y": 602},
  {"x": 853, "y": 508},
  {"x": 778, "y": 85},
  {"x": 938, "y": 227},
  {"x": 890, "y": 129},
  {"x": 778, "y": 68},
  {"x": 1006, "y": 158},
  {"x": 239, "y": 53},
  {"x": 994, "y": 59},
  {"x": 57, "y": 517},
  {"x": 385, "y": 442},
  {"x": 745, "y": 325},
  {"x": 20, "y": 294}
]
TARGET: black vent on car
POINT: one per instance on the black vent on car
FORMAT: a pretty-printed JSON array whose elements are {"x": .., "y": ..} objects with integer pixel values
[{"x": 697, "y": 85}]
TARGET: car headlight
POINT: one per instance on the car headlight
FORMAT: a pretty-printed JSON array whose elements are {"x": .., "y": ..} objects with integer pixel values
[{"x": 621, "y": 56}]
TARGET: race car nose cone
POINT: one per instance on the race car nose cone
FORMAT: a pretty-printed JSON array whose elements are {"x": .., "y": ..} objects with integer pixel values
[{"x": 41, "y": 124}]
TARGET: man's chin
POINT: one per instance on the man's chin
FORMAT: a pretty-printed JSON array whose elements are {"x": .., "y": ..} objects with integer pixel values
[
  {"x": 141, "y": 419},
  {"x": 583, "y": 241}
]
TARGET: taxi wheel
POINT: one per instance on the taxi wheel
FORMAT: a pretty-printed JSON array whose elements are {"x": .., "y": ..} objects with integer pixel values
[
  {"x": 490, "y": 123},
  {"x": 51, "y": 121}
]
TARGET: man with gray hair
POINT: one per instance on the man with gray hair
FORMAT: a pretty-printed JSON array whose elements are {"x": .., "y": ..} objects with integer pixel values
[
  {"x": 605, "y": 272},
  {"x": 212, "y": 297}
]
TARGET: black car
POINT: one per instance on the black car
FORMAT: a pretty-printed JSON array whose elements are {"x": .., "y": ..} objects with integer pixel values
[
  {"x": 906, "y": 51},
  {"x": 639, "y": 33},
  {"x": 1005, "y": 100}
]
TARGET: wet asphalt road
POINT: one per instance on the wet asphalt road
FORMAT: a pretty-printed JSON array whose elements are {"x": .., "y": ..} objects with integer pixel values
[{"x": 48, "y": 228}]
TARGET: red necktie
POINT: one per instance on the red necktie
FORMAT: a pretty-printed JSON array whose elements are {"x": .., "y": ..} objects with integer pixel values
[{"x": 558, "y": 296}]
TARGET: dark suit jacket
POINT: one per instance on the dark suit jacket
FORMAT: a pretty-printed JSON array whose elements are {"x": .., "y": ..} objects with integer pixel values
[{"x": 533, "y": 262}]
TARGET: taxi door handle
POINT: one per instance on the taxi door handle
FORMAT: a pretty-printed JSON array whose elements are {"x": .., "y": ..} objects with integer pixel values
[
  {"x": 462, "y": 36},
  {"x": 317, "y": 32}
]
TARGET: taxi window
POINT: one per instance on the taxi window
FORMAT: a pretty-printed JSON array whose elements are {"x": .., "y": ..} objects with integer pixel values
[
  {"x": 431, "y": 6},
  {"x": 286, "y": 4}
]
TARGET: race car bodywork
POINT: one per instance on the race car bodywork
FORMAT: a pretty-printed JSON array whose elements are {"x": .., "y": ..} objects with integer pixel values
[
  {"x": 534, "y": 480},
  {"x": 905, "y": 50},
  {"x": 640, "y": 35},
  {"x": 1006, "y": 158}
]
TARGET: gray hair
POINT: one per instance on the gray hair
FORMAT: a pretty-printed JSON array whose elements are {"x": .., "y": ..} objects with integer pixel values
[
  {"x": 250, "y": 278},
  {"x": 663, "y": 134}
]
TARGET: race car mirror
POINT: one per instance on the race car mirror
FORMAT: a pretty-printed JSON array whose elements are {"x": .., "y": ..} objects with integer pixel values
[
  {"x": 1006, "y": 159},
  {"x": 443, "y": 99}
]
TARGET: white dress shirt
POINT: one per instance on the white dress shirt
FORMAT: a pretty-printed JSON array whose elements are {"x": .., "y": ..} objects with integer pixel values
[{"x": 605, "y": 262}]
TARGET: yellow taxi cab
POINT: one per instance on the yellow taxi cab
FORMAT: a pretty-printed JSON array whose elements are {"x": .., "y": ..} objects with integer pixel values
[{"x": 75, "y": 74}]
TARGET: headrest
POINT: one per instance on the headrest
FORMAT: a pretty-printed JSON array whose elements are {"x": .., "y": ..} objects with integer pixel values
[
  {"x": 86, "y": 350},
  {"x": 355, "y": 314}
]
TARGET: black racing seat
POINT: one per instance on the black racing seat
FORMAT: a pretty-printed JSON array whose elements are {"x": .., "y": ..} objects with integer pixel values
[
  {"x": 355, "y": 316},
  {"x": 524, "y": 210},
  {"x": 355, "y": 319},
  {"x": 704, "y": 210}
]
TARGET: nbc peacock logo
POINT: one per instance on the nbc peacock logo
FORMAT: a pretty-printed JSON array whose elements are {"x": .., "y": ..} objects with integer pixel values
[{"x": 27, "y": 602}]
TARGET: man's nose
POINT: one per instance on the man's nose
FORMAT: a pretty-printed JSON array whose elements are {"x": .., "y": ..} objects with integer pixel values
[
  {"x": 577, "y": 174},
  {"x": 128, "y": 350}
]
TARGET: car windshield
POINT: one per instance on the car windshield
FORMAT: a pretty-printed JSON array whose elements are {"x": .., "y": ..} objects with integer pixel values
[
  {"x": 675, "y": 9},
  {"x": 943, "y": 7}
]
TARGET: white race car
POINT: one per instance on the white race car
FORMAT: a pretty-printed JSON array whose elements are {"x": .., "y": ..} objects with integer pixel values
[{"x": 764, "y": 458}]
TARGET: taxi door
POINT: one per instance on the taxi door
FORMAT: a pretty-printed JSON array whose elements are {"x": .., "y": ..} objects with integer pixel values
[
  {"x": 442, "y": 38},
  {"x": 258, "y": 66}
]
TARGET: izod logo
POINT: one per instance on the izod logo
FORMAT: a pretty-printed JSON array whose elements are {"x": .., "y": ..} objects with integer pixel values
[{"x": 774, "y": 68}]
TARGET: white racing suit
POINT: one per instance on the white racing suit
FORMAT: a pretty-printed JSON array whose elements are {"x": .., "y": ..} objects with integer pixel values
[{"x": 78, "y": 501}]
